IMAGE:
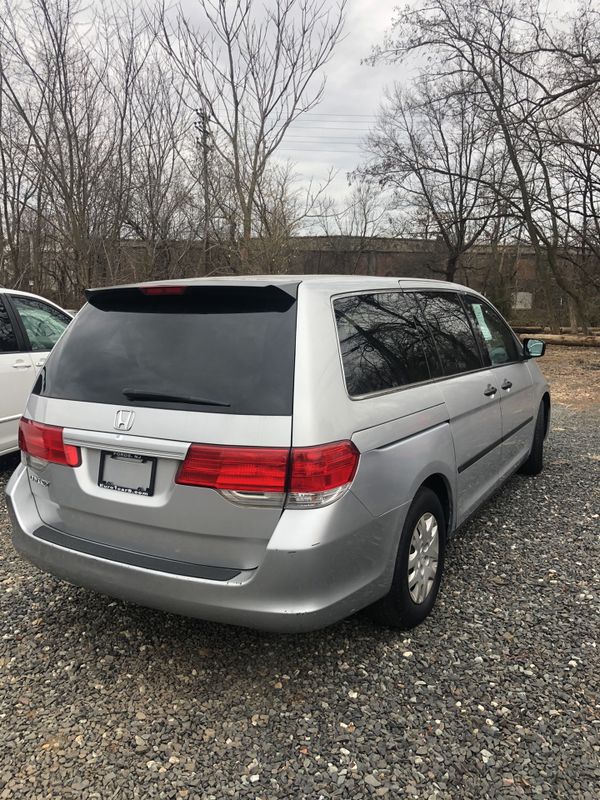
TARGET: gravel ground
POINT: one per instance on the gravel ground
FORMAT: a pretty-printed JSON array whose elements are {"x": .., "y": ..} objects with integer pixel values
[
  {"x": 574, "y": 374},
  {"x": 495, "y": 696}
]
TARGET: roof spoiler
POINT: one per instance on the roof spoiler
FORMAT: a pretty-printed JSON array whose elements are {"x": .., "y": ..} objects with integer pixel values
[
  {"x": 289, "y": 288},
  {"x": 192, "y": 298}
]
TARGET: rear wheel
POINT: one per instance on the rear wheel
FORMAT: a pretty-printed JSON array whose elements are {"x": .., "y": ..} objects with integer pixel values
[
  {"x": 419, "y": 565},
  {"x": 535, "y": 461}
]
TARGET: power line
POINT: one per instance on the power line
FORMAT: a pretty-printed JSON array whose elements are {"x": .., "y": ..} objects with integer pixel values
[
  {"x": 329, "y": 128},
  {"x": 323, "y": 145},
  {"x": 320, "y": 137},
  {"x": 319, "y": 114},
  {"x": 316, "y": 150},
  {"x": 325, "y": 139}
]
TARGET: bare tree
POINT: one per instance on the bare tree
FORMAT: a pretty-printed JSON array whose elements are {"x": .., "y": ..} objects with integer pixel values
[
  {"x": 279, "y": 210},
  {"x": 252, "y": 73},
  {"x": 68, "y": 79},
  {"x": 162, "y": 209},
  {"x": 431, "y": 148},
  {"x": 521, "y": 73},
  {"x": 284, "y": 208},
  {"x": 20, "y": 182},
  {"x": 350, "y": 226}
]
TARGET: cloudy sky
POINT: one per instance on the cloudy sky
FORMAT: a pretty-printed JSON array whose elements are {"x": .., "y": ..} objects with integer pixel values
[{"x": 330, "y": 136}]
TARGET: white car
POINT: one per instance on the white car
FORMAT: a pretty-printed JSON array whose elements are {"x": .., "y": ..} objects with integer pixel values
[{"x": 30, "y": 326}]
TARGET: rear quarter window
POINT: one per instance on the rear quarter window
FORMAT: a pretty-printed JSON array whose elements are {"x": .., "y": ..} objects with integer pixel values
[{"x": 384, "y": 342}]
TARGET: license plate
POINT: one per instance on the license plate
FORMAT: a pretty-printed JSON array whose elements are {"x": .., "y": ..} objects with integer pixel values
[{"x": 127, "y": 472}]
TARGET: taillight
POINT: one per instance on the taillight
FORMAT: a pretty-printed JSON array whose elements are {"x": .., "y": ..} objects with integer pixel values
[
  {"x": 45, "y": 442},
  {"x": 309, "y": 476},
  {"x": 236, "y": 469},
  {"x": 319, "y": 475}
]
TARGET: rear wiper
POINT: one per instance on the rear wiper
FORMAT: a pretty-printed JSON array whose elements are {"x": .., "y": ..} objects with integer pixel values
[{"x": 143, "y": 394}]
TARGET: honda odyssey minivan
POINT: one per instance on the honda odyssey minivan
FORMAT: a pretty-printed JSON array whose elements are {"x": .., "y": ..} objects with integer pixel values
[{"x": 277, "y": 451}]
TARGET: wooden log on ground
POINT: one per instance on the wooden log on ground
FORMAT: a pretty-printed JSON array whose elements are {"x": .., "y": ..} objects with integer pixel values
[
  {"x": 569, "y": 340},
  {"x": 535, "y": 329},
  {"x": 570, "y": 330}
]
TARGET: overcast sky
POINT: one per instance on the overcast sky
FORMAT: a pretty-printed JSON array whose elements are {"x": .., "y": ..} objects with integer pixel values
[{"x": 330, "y": 135}]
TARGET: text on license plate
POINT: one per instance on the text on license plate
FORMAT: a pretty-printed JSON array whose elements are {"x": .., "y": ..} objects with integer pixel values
[{"x": 127, "y": 472}]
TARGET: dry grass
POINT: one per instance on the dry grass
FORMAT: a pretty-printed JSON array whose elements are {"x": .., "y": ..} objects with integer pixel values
[{"x": 574, "y": 375}]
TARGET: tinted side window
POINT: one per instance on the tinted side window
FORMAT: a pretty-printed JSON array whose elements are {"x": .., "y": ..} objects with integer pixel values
[
  {"x": 497, "y": 337},
  {"x": 44, "y": 324},
  {"x": 8, "y": 340},
  {"x": 452, "y": 333},
  {"x": 383, "y": 340}
]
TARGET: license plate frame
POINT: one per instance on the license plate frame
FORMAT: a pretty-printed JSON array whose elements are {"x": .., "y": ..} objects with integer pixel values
[{"x": 120, "y": 463}]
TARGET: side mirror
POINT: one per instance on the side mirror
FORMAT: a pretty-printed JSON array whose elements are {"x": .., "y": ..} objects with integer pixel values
[{"x": 534, "y": 348}]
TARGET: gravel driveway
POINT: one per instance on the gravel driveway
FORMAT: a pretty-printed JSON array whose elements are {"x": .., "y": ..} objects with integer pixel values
[{"x": 496, "y": 695}]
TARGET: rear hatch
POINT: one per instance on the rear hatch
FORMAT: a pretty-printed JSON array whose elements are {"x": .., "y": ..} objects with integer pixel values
[{"x": 141, "y": 375}]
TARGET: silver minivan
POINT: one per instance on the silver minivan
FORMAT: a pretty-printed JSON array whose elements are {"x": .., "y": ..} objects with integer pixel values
[{"x": 276, "y": 451}]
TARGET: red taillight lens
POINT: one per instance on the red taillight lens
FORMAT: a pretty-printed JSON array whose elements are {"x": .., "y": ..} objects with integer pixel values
[
  {"x": 46, "y": 442},
  {"x": 309, "y": 475},
  {"x": 238, "y": 469},
  {"x": 164, "y": 290},
  {"x": 319, "y": 469}
]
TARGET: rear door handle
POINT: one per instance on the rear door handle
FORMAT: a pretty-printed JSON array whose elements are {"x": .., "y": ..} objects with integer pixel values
[
  {"x": 507, "y": 385},
  {"x": 490, "y": 391},
  {"x": 21, "y": 365}
]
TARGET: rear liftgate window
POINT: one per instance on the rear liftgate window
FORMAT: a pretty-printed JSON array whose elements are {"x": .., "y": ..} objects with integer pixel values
[{"x": 215, "y": 349}]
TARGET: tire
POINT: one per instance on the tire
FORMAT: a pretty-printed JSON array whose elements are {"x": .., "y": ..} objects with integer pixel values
[
  {"x": 535, "y": 460},
  {"x": 398, "y": 609}
]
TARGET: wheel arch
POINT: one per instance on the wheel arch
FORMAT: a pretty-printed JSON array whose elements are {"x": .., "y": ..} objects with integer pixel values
[
  {"x": 547, "y": 412},
  {"x": 439, "y": 484}
]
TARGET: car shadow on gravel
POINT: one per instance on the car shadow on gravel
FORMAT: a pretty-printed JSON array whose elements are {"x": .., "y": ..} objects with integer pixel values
[{"x": 8, "y": 464}]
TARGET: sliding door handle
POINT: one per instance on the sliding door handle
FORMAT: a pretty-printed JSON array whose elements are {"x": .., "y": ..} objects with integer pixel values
[{"x": 490, "y": 391}]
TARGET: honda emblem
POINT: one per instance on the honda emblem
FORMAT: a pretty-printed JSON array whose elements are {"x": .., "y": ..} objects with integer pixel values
[{"x": 124, "y": 419}]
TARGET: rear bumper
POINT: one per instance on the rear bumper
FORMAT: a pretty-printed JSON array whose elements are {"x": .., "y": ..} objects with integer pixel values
[{"x": 320, "y": 566}]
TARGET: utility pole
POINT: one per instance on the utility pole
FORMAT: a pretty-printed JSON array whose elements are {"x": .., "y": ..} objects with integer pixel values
[{"x": 201, "y": 125}]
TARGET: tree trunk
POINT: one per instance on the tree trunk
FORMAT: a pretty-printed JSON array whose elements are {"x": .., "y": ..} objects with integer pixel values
[
  {"x": 452, "y": 263},
  {"x": 573, "y": 317},
  {"x": 544, "y": 275},
  {"x": 245, "y": 266},
  {"x": 573, "y": 296}
]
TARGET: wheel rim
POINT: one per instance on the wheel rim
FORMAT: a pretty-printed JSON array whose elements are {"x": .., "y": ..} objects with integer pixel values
[{"x": 423, "y": 557}]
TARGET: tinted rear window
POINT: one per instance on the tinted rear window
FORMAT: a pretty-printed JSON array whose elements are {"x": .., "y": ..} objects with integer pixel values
[{"x": 224, "y": 345}]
